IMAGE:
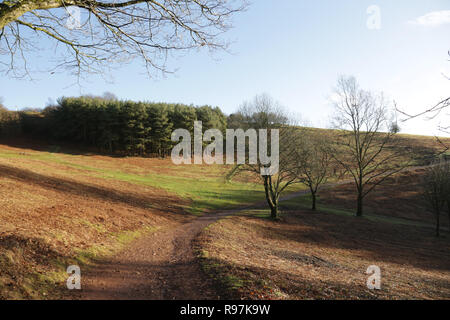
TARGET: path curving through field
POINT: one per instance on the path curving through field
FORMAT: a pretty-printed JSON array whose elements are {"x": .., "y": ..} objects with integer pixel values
[
  {"x": 161, "y": 265},
  {"x": 158, "y": 266}
]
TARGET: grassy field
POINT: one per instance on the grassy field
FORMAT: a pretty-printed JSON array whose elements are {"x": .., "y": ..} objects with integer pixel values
[
  {"x": 325, "y": 254},
  {"x": 62, "y": 207},
  {"x": 398, "y": 201},
  {"x": 320, "y": 255}
]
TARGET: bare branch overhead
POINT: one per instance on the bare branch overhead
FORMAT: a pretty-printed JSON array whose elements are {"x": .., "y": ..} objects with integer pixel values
[{"x": 90, "y": 36}]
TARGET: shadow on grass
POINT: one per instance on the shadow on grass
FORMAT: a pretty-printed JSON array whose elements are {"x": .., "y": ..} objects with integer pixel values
[
  {"x": 266, "y": 283},
  {"x": 393, "y": 243},
  {"x": 25, "y": 266},
  {"x": 50, "y": 145},
  {"x": 256, "y": 283},
  {"x": 71, "y": 187},
  {"x": 41, "y": 144},
  {"x": 395, "y": 214}
]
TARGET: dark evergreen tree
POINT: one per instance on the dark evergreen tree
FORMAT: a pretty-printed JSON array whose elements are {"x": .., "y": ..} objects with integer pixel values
[
  {"x": 158, "y": 120},
  {"x": 127, "y": 127}
]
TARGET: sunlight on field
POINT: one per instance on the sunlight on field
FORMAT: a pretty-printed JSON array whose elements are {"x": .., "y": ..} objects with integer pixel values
[
  {"x": 78, "y": 208},
  {"x": 317, "y": 255},
  {"x": 205, "y": 186}
]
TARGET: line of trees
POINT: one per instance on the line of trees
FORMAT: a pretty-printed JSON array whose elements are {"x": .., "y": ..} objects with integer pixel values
[
  {"x": 362, "y": 146},
  {"x": 115, "y": 126}
]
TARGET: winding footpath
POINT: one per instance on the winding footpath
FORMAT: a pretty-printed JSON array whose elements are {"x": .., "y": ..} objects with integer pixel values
[{"x": 161, "y": 265}]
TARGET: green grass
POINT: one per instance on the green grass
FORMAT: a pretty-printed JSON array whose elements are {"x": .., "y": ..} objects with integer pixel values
[{"x": 205, "y": 193}]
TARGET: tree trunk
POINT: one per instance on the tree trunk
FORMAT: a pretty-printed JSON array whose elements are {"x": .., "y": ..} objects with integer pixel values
[
  {"x": 448, "y": 203},
  {"x": 274, "y": 213},
  {"x": 275, "y": 210},
  {"x": 313, "y": 194},
  {"x": 359, "y": 211},
  {"x": 273, "y": 206},
  {"x": 438, "y": 213}
]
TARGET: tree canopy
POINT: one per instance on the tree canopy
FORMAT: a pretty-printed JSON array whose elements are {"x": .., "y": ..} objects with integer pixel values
[{"x": 116, "y": 126}]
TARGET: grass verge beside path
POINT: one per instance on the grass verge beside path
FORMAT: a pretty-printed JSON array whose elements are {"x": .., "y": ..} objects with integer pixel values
[{"x": 317, "y": 255}]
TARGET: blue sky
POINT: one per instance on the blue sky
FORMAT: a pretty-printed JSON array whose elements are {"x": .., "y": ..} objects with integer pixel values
[{"x": 293, "y": 50}]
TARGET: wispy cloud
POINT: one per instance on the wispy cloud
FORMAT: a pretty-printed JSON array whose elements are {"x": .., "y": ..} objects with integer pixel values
[{"x": 433, "y": 19}]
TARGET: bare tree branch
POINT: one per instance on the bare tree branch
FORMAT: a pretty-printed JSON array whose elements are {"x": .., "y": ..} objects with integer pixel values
[
  {"x": 110, "y": 32},
  {"x": 431, "y": 113}
]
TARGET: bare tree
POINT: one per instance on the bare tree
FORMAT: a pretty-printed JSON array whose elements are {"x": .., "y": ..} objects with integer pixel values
[
  {"x": 265, "y": 113},
  {"x": 90, "y": 35},
  {"x": 436, "y": 184},
  {"x": 365, "y": 147},
  {"x": 313, "y": 158}
]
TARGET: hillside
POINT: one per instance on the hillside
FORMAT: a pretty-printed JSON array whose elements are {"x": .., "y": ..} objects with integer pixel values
[
  {"x": 61, "y": 206},
  {"x": 319, "y": 255}
]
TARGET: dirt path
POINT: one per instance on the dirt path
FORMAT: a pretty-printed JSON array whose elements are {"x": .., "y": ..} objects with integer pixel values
[{"x": 158, "y": 266}]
